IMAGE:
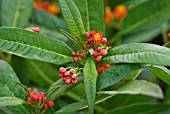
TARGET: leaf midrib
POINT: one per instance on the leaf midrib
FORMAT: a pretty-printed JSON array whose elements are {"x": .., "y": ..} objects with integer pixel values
[
  {"x": 72, "y": 17},
  {"x": 39, "y": 48},
  {"x": 146, "y": 52}
]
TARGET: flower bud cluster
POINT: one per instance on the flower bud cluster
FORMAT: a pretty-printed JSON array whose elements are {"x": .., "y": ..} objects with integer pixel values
[
  {"x": 68, "y": 76},
  {"x": 79, "y": 55},
  {"x": 38, "y": 99}
]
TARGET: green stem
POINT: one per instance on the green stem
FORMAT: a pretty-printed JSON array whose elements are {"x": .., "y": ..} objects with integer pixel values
[
  {"x": 164, "y": 30},
  {"x": 2, "y": 55}
]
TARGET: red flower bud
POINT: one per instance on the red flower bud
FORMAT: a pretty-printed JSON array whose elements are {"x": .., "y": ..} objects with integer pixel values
[
  {"x": 45, "y": 106},
  {"x": 98, "y": 59},
  {"x": 99, "y": 49},
  {"x": 44, "y": 99},
  {"x": 50, "y": 103},
  {"x": 72, "y": 71},
  {"x": 103, "y": 52},
  {"x": 104, "y": 40},
  {"x": 95, "y": 54},
  {"x": 36, "y": 29},
  {"x": 60, "y": 75},
  {"x": 74, "y": 81},
  {"x": 68, "y": 81},
  {"x": 62, "y": 70}
]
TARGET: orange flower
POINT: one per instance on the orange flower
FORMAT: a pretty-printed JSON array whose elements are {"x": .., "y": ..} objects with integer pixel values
[
  {"x": 120, "y": 11},
  {"x": 53, "y": 9},
  {"x": 108, "y": 18},
  {"x": 38, "y": 5},
  {"x": 97, "y": 36},
  {"x": 103, "y": 67}
]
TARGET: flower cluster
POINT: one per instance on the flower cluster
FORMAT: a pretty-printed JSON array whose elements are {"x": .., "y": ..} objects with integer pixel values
[
  {"x": 38, "y": 99},
  {"x": 102, "y": 68},
  {"x": 69, "y": 76},
  {"x": 45, "y": 5},
  {"x": 169, "y": 35},
  {"x": 97, "y": 43},
  {"x": 118, "y": 14}
]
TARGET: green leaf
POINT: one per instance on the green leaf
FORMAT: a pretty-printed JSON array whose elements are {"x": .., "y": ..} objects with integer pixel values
[
  {"x": 43, "y": 18},
  {"x": 38, "y": 72},
  {"x": 90, "y": 78},
  {"x": 15, "y": 13},
  {"x": 71, "y": 108},
  {"x": 139, "y": 53},
  {"x": 139, "y": 108},
  {"x": 72, "y": 18},
  {"x": 131, "y": 87},
  {"x": 115, "y": 74},
  {"x": 137, "y": 87},
  {"x": 59, "y": 89},
  {"x": 144, "y": 36},
  {"x": 161, "y": 72},
  {"x": 9, "y": 88},
  {"x": 92, "y": 12},
  {"x": 35, "y": 46},
  {"x": 153, "y": 15},
  {"x": 71, "y": 37},
  {"x": 10, "y": 101}
]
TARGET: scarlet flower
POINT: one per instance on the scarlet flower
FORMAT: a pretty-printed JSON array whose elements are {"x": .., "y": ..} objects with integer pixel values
[
  {"x": 97, "y": 36},
  {"x": 53, "y": 9},
  {"x": 120, "y": 11}
]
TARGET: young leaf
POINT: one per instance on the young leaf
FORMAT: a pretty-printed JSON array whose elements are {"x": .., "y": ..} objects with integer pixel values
[
  {"x": 35, "y": 46},
  {"x": 10, "y": 101},
  {"x": 72, "y": 18},
  {"x": 139, "y": 108},
  {"x": 139, "y": 53},
  {"x": 161, "y": 72},
  {"x": 137, "y": 87},
  {"x": 58, "y": 89},
  {"x": 90, "y": 78},
  {"x": 15, "y": 13},
  {"x": 71, "y": 38},
  {"x": 8, "y": 86},
  {"x": 93, "y": 17},
  {"x": 115, "y": 74}
]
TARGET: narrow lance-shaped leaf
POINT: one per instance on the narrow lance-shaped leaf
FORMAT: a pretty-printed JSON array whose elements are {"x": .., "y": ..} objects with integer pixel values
[
  {"x": 131, "y": 87},
  {"x": 10, "y": 101},
  {"x": 90, "y": 78},
  {"x": 72, "y": 18},
  {"x": 9, "y": 88},
  {"x": 92, "y": 12},
  {"x": 115, "y": 74},
  {"x": 139, "y": 53},
  {"x": 139, "y": 108},
  {"x": 15, "y": 13},
  {"x": 161, "y": 72},
  {"x": 59, "y": 89},
  {"x": 137, "y": 87},
  {"x": 35, "y": 46}
]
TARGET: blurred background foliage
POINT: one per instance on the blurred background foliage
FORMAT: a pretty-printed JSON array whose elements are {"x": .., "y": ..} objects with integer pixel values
[{"x": 126, "y": 21}]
